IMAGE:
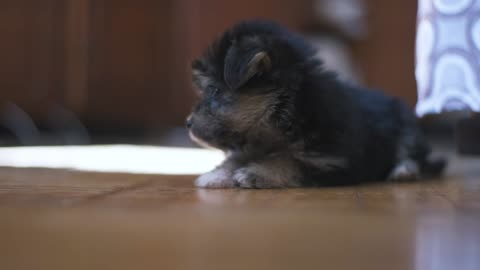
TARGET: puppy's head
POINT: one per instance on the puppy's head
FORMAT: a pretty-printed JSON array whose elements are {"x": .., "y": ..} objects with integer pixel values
[{"x": 245, "y": 79}]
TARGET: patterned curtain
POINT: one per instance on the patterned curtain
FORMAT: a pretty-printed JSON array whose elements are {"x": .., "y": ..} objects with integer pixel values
[{"x": 448, "y": 56}]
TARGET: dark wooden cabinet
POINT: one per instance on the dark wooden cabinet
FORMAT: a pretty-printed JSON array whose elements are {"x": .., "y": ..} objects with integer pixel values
[{"x": 116, "y": 62}]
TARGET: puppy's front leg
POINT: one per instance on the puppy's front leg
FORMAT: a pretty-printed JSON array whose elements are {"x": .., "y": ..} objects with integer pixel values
[
  {"x": 271, "y": 172},
  {"x": 220, "y": 177}
]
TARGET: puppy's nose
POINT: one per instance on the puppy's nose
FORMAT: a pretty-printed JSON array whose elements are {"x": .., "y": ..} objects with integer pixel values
[{"x": 189, "y": 122}]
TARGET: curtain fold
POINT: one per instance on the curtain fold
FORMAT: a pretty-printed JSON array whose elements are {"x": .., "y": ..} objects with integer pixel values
[{"x": 448, "y": 56}]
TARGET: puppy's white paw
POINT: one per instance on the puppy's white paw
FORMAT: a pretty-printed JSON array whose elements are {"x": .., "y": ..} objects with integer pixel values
[
  {"x": 406, "y": 170},
  {"x": 218, "y": 178},
  {"x": 246, "y": 179},
  {"x": 249, "y": 178}
]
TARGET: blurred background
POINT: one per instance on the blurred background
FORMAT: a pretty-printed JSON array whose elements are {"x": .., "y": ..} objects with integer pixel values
[{"x": 117, "y": 71}]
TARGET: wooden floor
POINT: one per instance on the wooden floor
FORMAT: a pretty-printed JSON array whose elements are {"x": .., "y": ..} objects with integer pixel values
[{"x": 60, "y": 219}]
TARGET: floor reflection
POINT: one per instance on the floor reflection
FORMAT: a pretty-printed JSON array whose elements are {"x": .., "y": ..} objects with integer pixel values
[{"x": 447, "y": 243}]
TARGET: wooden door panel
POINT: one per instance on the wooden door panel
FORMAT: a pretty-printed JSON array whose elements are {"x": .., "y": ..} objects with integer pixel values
[
  {"x": 130, "y": 54},
  {"x": 31, "y": 70},
  {"x": 387, "y": 55}
]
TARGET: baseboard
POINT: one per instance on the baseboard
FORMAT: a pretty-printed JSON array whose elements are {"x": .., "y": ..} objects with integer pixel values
[{"x": 462, "y": 129}]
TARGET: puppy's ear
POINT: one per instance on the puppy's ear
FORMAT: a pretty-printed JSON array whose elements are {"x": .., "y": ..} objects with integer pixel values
[{"x": 242, "y": 65}]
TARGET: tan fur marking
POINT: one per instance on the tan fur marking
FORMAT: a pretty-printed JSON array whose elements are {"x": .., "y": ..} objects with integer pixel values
[
  {"x": 251, "y": 111},
  {"x": 201, "y": 79},
  {"x": 259, "y": 62},
  {"x": 274, "y": 172}
]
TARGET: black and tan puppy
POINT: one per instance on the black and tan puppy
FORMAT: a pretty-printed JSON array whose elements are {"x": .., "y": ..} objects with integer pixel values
[{"x": 283, "y": 121}]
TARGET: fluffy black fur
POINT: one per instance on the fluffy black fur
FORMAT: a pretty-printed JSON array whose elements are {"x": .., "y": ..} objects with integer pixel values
[{"x": 265, "y": 97}]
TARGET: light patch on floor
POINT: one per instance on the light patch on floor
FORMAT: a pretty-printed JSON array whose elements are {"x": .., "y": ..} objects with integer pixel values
[{"x": 114, "y": 158}]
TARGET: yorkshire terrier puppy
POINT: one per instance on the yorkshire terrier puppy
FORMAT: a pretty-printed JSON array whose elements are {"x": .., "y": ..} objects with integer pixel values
[{"x": 284, "y": 121}]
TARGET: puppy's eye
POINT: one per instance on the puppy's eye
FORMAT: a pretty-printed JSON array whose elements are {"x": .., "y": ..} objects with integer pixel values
[{"x": 213, "y": 90}]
